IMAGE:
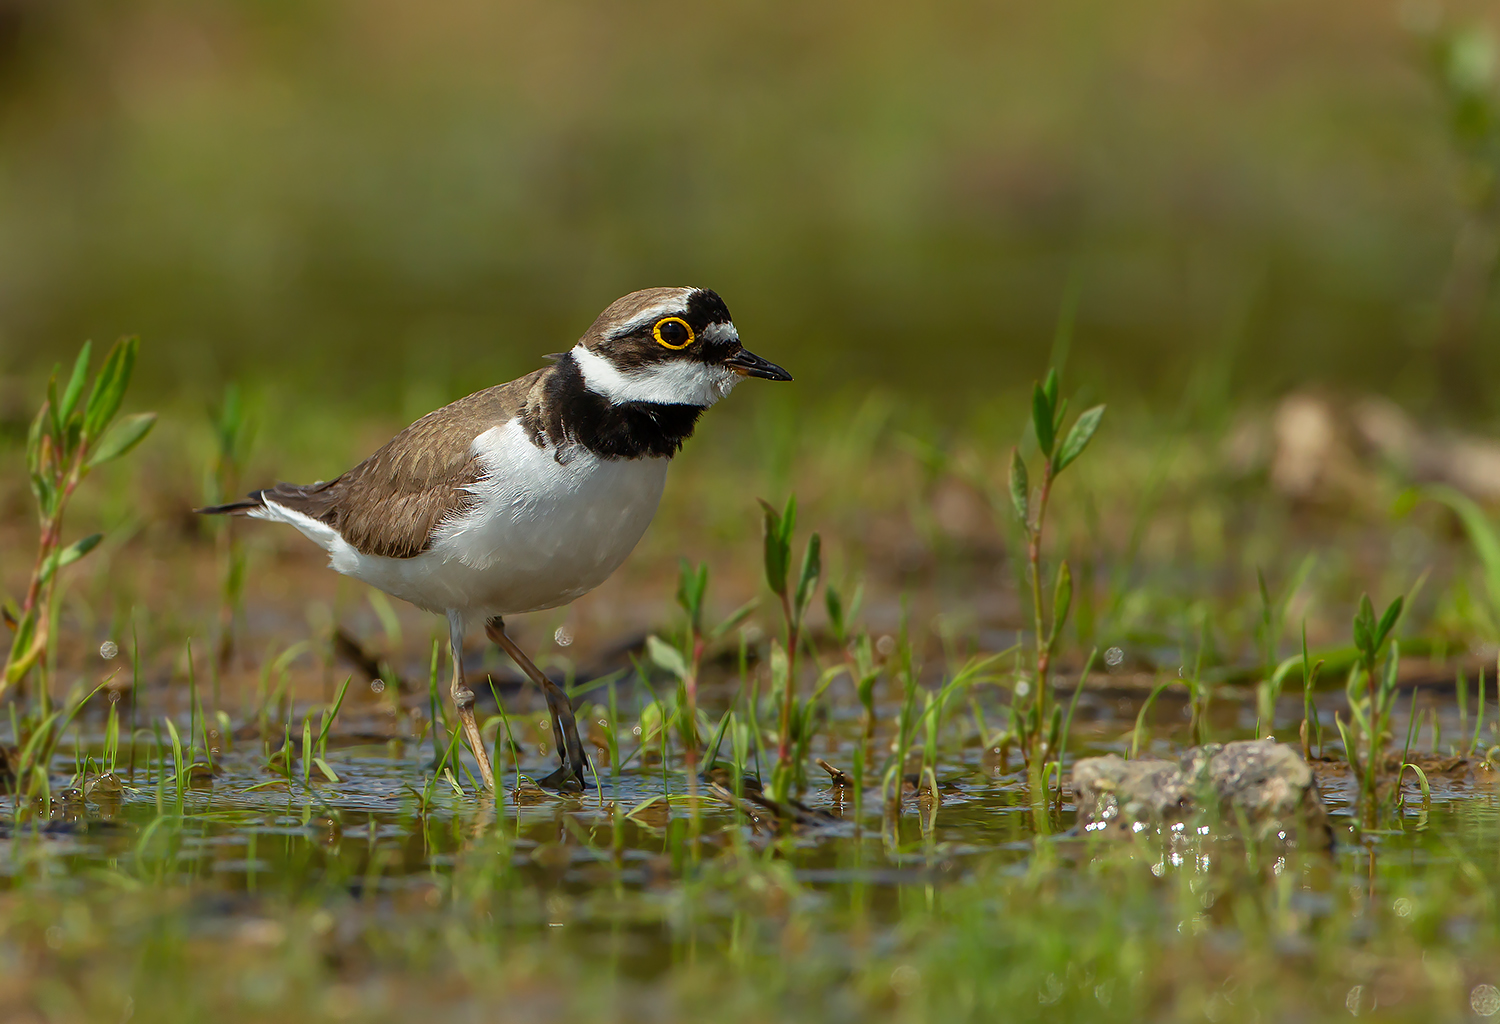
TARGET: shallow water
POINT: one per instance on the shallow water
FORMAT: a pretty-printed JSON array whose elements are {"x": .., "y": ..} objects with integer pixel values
[
  {"x": 350, "y": 900},
  {"x": 248, "y": 829}
]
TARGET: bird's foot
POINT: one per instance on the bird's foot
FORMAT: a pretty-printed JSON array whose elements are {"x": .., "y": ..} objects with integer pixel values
[{"x": 566, "y": 779}]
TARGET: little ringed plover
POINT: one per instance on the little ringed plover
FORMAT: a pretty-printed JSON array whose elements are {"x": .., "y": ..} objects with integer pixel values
[{"x": 529, "y": 494}]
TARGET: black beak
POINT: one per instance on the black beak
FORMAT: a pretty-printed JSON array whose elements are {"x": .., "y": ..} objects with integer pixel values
[{"x": 748, "y": 364}]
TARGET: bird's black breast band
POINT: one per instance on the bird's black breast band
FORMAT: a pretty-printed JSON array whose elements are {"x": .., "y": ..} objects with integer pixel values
[{"x": 572, "y": 414}]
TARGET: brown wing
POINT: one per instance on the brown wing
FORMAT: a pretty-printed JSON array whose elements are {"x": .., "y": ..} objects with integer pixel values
[{"x": 390, "y": 503}]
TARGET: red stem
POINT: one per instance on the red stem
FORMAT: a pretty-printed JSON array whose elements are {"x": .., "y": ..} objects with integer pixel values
[{"x": 47, "y": 542}]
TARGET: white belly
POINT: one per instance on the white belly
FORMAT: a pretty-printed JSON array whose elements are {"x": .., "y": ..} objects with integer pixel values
[{"x": 540, "y": 534}]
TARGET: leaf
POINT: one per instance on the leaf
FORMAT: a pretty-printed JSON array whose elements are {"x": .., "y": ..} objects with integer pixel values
[
  {"x": 34, "y": 441},
  {"x": 1406, "y": 502},
  {"x": 789, "y": 519},
  {"x": 1079, "y": 437},
  {"x": 1049, "y": 387},
  {"x": 122, "y": 437},
  {"x": 834, "y": 605},
  {"x": 691, "y": 585},
  {"x": 812, "y": 571},
  {"x": 1355, "y": 695},
  {"x": 46, "y": 495},
  {"x": 777, "y": 551},
  {"x": 229, "y": 421},
  {"x": 1062, "y": 601},
  {"x": 23, "y": 650},
  {"x": 38, "y": 742},
  {"x": 1350, "y": 752},
  {"x": 700, "y": 585},
  {"x": 1392, "y": 670},
  {"x": 323, "y": 767},
  {"x": 73, "y": 552},
  {"x": 666, "y": 657},
  {"x": 74, "y": 390},
  {"x": 1041, "y": 421},
  {"x": 650, "y": 721},
  {"x": 1364, "y": 626},
  {"x": 49, "y": 407},
  {"x": 856, "y": 602},
  {"x": 1307, "y": 671},
  {"x": 70, "y": 554},
  {"x": 1020, "y": 486},
  {"x": 638, "y": 808},
  {"x": 780, "y": 666},
  {"x": 109, "y": 386},
  {"x": 1423, "y": 783},
  {"x": 1388, "y": 621},
  {"x": 176, "y": 748},
  {"x": 711, "y": 752},
  {"x": 734, "y": 618},
  {"x": 307, "y": 749}
]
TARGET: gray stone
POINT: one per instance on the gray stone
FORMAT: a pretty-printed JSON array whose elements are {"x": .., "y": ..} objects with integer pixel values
[{"x": 1257, "y": 787}]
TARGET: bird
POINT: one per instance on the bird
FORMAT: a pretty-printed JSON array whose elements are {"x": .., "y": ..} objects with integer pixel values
[{"x": 528, "y": 494}]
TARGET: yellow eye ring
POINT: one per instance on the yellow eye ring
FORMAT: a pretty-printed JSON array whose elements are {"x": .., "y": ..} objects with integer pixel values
[{"x": 664, "y": 322}]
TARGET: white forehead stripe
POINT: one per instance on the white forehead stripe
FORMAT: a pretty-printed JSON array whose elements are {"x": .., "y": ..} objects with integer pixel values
[
  {"x": 673, "y": 382},
  {"x": 651, "y": 314}
]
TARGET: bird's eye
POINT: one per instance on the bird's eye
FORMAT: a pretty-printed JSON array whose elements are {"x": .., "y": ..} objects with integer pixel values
[{"x": 673, "y": 332}]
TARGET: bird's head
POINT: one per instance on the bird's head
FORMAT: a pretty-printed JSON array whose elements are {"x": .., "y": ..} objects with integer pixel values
[{"x": 674, "y": 346}]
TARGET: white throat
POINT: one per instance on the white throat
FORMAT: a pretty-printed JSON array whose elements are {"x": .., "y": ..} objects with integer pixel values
[{"x": 675, "y": 382}]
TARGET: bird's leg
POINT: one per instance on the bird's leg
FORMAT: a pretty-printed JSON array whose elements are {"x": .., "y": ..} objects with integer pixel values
[
  {"x": 564, "y": 727},
  {"x": 463, "y": 699}
]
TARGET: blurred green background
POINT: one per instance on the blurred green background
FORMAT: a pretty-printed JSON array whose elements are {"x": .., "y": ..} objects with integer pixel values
[{"x": 380, "y": 205}]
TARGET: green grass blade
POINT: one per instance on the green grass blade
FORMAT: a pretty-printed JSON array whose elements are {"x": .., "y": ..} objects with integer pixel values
[
  {"x": 338, "y": 702},
  {"x": 1484, "y": 537},
  {"x": 1140, "y": 718},
  {"x": 179, "y": 769},
  {"x": 1351, "y": 753},
  {"x": 1478, "y": 715}
]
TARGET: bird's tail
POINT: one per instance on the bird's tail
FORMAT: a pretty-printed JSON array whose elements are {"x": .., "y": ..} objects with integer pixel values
[{"x": 244, "y": 507}]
